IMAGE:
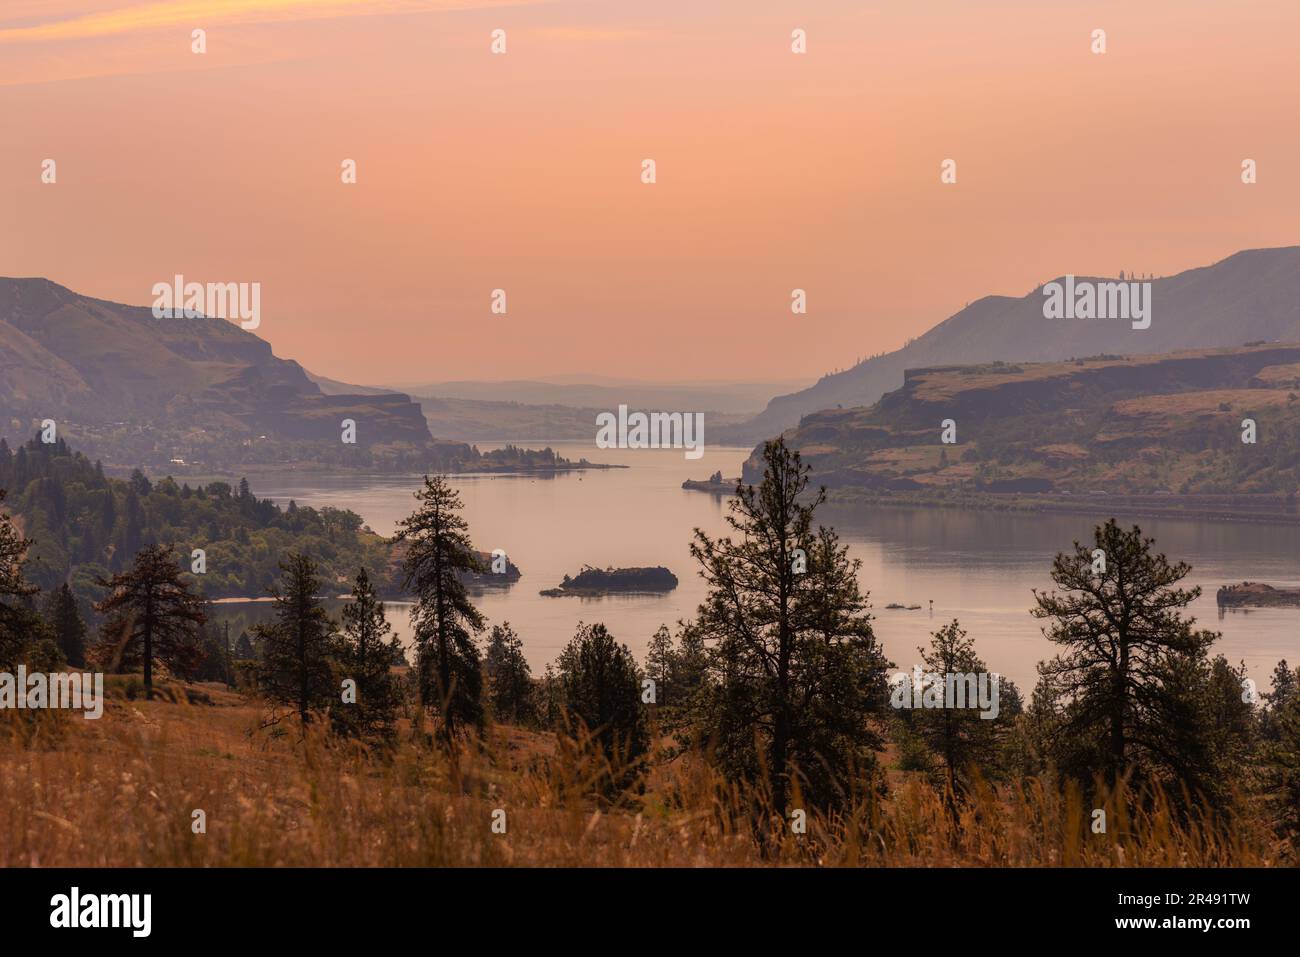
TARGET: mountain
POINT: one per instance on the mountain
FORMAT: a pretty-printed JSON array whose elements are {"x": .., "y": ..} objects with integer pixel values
[
  {"x": 1250, "y": 296},
  {"x": 100, "y": 368},
  {"x": 1171, "y": 424}
]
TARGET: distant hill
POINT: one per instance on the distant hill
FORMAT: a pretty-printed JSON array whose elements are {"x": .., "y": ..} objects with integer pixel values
[
  {"x": 601, "y": 393},
  {"x": 1153, "y": 425},
  {"x": 138, "y": 390},
  {"x": 335, "y": 387},
  {"x": 524, "y": 410},
  {"x": 1250, "y": 296},
  {"x": 70, "y": 357}
]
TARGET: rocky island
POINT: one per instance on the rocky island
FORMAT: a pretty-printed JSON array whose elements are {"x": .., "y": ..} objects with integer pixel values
[
  {"x": 715, "y": 483},
  {"x": 602, "y": 581},
  {"x": 1257, "y": 595}
]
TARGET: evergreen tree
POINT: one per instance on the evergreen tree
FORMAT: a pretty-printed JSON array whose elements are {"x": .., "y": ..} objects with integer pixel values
[
  {"x": 964, "y": 742},
  {"x": 438, "y": 552},
  {"x": 794, "y": 669},
  {"x": 551, "y": 695},
  {"x": 244, "y": 650},
  {"x": 152, "y": 615},
  {"x": 1230, "y": 719},
  {"x": 690, "y": 664},
  {"x": 299, "y": 645},
  {"x": 17, "y": 622},
  {"x": 660, "y": 661},
  {"x": 66, "y": 624},
  {"x": 214, "y": 666},
  {"x": 140, "y": 485},
  {"x": 1286, "y": 684},
  {"x": 601, "y": 688},
  {"x": 1126, "y": 683},
  {"x": 131, "y": 531},
  {"x": 1282, "y": 770},
  {"x": 509, "y": 677},
  {"x": 366, "y": 657}
]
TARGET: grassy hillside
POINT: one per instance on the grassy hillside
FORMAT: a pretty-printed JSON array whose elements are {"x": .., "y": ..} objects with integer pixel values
[{"x": 70, "y": 796}]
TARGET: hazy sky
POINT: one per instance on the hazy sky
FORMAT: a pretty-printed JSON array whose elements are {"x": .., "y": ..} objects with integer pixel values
[{"x": 523, "y": 171}]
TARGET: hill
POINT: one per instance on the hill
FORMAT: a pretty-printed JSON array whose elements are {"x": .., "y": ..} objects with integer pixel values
[
  {"x": 1252, "y": 295},
  {"x": 1169, "y": 425},
  {"x": 602, "y": 393},
  {"x": 202, "y": 387}
]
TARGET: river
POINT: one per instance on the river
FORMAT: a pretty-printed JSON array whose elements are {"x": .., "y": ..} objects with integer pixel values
[{"x": 978, "y": 567}]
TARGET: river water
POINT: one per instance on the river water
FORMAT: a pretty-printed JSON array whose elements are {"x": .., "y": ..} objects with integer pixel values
[{"x": 978, "y": 567}]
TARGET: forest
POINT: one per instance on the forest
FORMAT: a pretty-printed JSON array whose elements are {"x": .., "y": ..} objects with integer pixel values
[{"x": 86, "y": 525}]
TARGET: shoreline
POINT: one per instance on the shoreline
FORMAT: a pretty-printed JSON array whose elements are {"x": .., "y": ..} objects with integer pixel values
[{"x": 1271, "y": 509}]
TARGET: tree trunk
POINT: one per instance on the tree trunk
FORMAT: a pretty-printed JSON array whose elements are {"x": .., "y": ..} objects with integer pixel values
[
  {"x": 148, "y": 648},
  {"x": 302, "y": 673},
  {"x": 1118, "y": 712}
]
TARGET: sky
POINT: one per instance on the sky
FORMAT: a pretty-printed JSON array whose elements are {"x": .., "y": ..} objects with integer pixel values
[{"x": 522, "y": 171}]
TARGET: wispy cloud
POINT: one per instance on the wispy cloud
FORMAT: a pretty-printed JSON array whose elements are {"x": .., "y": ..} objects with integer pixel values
[{"x": 165, "y": 14}]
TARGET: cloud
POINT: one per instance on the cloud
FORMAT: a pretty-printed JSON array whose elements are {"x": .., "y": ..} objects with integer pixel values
[{"x": 165, "y": 14}]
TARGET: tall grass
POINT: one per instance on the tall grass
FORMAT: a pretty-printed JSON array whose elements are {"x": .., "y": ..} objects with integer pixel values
[{"x": 121, "y": 791}]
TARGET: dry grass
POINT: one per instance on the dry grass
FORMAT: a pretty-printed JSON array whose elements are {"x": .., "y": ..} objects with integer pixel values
[{"x": 120, "y": 792}]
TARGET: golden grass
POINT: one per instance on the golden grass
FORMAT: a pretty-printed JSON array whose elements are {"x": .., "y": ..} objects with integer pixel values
[{"x": 121, "y": 791}]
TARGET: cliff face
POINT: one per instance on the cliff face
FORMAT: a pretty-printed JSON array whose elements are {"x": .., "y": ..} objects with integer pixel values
[
  {"x": 1138, "y": 423},
  {"x": 1252, "y": 295},
  {"x": 86, "y": 361}
]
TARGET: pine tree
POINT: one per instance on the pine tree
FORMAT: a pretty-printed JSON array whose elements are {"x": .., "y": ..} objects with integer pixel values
[
  {"x": 964, "y": 742},
  {"x": 18, "y": 624},
  {"x": 1132, "y": 663},
  {"x": 551, "y": 695},
  {"x": 509, "y": 677},
  {"x": 214, "y": 666},
  {"x": 152, "y": 616},
  {"x": 1282, "y": 770},
  {"x": 131, "y": 531},
  {"x": 1286, "y": 683},
  {"x": 659, "y": 665},
  {"x": 244, "y": 650},
  {"x": 366, "y": 658},
  {"x": 300, "y": 644},
  {"x": 601, "y": 688},
  {"x": 794, "y": 669},
  {"x": 66, "y": 624},
  {"x": 444, "y": 619}
]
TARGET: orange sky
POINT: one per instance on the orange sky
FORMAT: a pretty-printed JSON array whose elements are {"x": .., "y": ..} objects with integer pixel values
[{"x": 522, "y": 171}]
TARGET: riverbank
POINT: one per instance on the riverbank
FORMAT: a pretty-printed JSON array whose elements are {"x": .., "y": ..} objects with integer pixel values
[{"x": 1261, "y": 509}]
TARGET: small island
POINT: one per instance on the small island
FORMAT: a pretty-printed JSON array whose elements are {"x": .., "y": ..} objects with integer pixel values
[
  {"x": 602, "y": 581},
  {"x": 513, "y": 458},
  {"x": 1257, "y": 595},
  {"x": 715, "y": 483},
  {"x": 489, "y": 576}
]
